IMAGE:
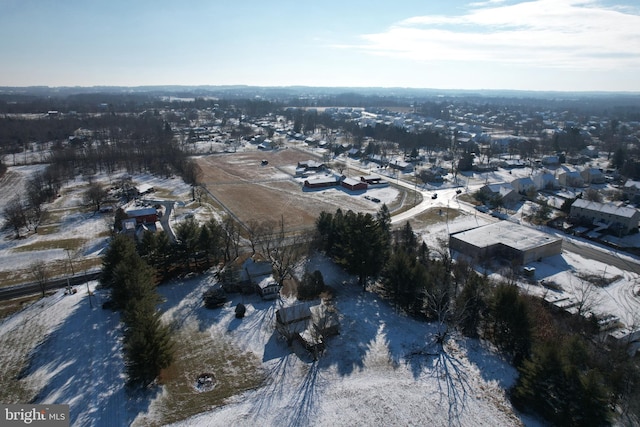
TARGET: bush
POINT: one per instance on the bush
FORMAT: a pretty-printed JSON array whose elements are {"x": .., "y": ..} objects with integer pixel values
[{"x": 311, "y": 286}]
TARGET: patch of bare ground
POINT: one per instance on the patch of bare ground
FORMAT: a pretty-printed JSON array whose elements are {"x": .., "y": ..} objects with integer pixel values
[
  {"x": 253, "y": 191},
  {"x": 433, "y": 216},
  {"x": 198, "y": 352}
]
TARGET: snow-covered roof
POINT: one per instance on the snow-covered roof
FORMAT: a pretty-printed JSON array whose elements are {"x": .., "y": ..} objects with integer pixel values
[
  {"x": 608, "y": 208},
  {"x": 141, "y": 212},
  {"x": 351, "y": 181},
  {"x": 630, "y": 184},
  {"x": 507, "y": 233}
]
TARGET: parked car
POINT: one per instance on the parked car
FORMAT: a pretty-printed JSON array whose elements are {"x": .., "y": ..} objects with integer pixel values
[{"x": 435, "y": 196}]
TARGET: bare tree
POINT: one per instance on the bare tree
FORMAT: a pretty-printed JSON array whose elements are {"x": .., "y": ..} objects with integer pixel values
[
  {"x": 40, "y": 275},
  {"x": 15, "y": 216},
  {"x": 283, "y": 251},
  {"x": 593, "y": 195},
  {"x": 95, "y": 195},
  {"x": 230, "y": 239},
  {"x": 258, "y": 231},
  {"x": 585, "y": 294}
]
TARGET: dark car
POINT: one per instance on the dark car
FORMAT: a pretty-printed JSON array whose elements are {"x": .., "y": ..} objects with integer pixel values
[{"x": 435, "y": 196}]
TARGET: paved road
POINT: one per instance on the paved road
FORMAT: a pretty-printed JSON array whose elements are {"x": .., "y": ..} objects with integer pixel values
[
  {"x": 448, "y": 197},
  {"x": 34, "y": 288},
  {"x": 607, "y": 256}
]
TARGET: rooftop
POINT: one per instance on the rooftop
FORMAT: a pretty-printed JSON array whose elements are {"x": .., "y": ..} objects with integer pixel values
[
  {"x": 608, "y": 208},
  {"x": 507, "y": 233}
]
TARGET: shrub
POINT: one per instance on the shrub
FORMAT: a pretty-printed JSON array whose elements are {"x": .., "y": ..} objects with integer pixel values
[{"x": 311, "y": 286}]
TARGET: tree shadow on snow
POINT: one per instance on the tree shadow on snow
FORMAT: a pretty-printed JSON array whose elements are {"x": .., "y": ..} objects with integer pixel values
[
  {"x": 453, "y": 384},
  {"x": 82, "y": 360},
  {"x": 359, "y": 328}
]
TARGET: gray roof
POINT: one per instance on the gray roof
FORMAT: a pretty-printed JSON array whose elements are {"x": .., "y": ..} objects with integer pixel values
[
  {"x": 507, "y": 233},
  {"x": 607, "y": 208},
  {"x": 632, "y": 184}
]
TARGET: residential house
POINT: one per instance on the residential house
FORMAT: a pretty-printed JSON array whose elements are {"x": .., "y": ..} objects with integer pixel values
[
  {"x": 590, "y": 151},
  {"x": 311, "y": 166},
  {"x": 570, "y": 179},
  {"x": 308, "y": 325},
  {"x": 545, "y": 181},
  {"x": 631, "y": 191},
  {"x": 593, "y": 176},
  {"x": 401, "y": 165},
  {"x": 523, "y": 185},
  {"x": 502, "y": 191},
  {"x": 268, "y": 288},
  {"x": 621, "y": 219},
  {"x": 354, "y": 153}
]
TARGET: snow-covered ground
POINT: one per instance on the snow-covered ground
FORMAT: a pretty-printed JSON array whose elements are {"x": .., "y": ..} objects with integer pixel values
[
  {"x": 69, "y": 219},
  {"x": 383, "y": 368}
]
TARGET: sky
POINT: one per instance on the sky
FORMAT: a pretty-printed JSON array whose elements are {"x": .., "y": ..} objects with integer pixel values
[{"x": 556, "y": 45}]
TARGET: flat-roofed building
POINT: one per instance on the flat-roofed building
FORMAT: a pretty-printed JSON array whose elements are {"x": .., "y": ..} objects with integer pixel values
[{"x": 507, "y": 240}]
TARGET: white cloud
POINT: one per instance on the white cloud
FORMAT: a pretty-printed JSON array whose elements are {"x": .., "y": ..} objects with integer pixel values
[{"x": 573, "y": 34}]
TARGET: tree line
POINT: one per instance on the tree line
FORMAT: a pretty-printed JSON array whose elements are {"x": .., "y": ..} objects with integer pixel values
[
  {"x": 568, "y": 374},
  {"x": 147, "y": 343}
]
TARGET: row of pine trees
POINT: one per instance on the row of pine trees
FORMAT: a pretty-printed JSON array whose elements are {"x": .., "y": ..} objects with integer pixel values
[{"x": 147, "y": 345}]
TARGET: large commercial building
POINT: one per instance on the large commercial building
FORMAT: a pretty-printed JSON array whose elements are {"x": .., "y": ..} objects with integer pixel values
[{"x": 507, "y": 240}]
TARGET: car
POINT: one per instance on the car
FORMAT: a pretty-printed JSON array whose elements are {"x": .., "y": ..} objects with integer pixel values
[
  {"x": 375, "y": 199},
  {"x": 458, "y": 191},
  {"x": 435, "y": 196},
  {"x": 265, "y": 162}
]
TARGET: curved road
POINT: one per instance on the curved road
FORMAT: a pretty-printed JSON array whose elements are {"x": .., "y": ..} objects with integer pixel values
[{"x": 448, "y": 198}]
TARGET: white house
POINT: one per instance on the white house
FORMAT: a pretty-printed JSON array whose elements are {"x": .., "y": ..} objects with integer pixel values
[
  {"x": 570, "y": 179},
  {"x": 522, "y": 185},
  {"x": 593, "y": 176},
  {"x": 545, "y": 181}
]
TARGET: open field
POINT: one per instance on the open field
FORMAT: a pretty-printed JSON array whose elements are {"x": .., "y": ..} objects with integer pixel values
[{"x": 251, "y": 191}]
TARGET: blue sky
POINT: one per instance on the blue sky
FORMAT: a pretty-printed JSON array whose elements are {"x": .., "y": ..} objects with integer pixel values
[{"x": 572, "y": 45}]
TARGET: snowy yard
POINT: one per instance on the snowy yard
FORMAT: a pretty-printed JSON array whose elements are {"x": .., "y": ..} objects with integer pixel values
[{"x": 383, "y": 368}]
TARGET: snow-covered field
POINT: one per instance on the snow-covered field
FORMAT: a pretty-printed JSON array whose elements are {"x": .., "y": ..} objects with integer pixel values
[
  {"x": 383, "y": 368},
  {"x": 69, "y": 220}
]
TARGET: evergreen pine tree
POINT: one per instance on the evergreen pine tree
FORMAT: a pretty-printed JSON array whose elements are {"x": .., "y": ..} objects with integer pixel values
[
  {"x": 148, "y": 347},
  {"x": 121, "y": 247}
]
